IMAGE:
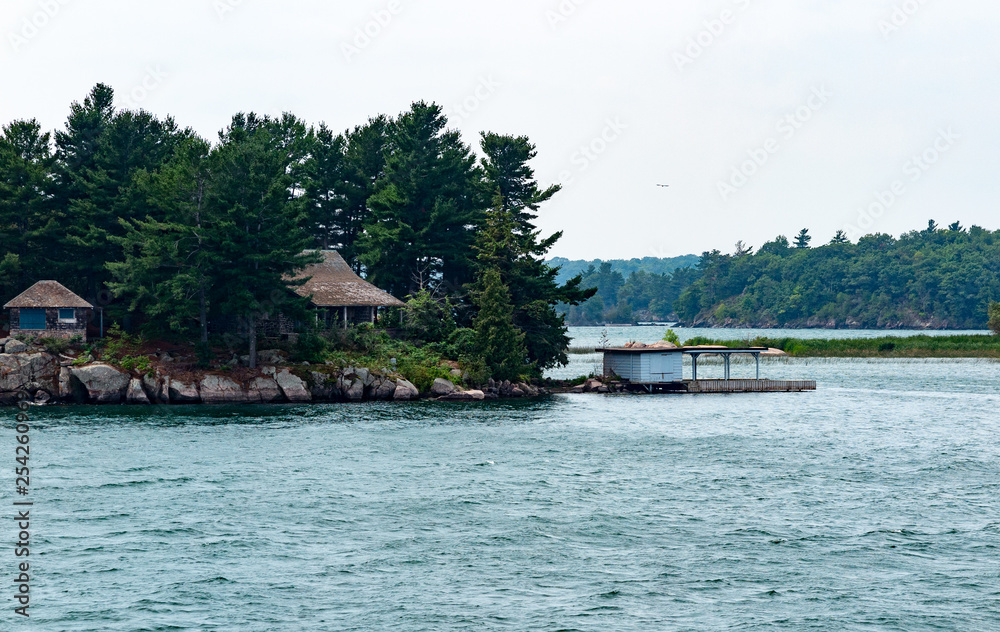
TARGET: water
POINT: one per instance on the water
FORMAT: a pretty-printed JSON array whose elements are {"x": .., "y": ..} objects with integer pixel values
[
  {"x": 589, "y": 338},
  {"x": 871, "y": 504}
]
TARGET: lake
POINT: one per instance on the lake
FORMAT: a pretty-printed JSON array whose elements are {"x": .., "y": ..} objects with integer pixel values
[{"x": 870, "y": 504}]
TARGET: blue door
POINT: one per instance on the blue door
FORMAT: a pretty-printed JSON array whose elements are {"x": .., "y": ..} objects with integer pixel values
[{"x": 32, "y": 319}]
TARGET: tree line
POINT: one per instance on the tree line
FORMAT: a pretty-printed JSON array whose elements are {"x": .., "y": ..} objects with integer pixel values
[
  {"x": 170, "y": 230},
  {"x": 938, "y": 277}
]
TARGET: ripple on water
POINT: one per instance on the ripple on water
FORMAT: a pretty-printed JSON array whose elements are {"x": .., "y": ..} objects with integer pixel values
[{"x": 868, "y": 505}]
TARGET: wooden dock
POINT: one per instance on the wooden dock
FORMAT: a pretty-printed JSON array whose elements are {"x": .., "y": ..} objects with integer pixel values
[
  {"x": 749, "y": 386},
  {"x": 722, "y": 386}
]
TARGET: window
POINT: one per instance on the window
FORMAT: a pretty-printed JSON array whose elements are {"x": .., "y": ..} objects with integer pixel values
[
  {"x": 32, "y": 319},
  {"x": 67, "y": 315}
]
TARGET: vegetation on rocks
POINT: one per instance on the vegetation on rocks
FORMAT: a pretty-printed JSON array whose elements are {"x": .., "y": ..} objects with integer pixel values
[{"x": 882, "y": 347}]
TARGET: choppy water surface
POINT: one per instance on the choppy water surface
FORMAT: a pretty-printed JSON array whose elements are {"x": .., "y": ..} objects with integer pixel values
[{"x": 872, "y": 504}]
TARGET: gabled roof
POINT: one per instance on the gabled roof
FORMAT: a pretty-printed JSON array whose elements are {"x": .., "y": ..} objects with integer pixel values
[
  {"x": 334, "y": 284},
  {"x": 47, "y": 294}
]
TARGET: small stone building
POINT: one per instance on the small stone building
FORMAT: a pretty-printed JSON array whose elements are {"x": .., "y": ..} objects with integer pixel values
[{"x": 48, "y": 310}]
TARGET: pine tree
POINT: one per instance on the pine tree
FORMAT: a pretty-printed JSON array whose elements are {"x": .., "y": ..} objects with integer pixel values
[
  {"x": 258, "y": 237},
  {"x": 167, "y": 258},
  {"x": 803, "y": 238},
  {"x": 510, "y": 243},
  {"x": 96, "y": 159},
  {"x": 498, "y": 342},
  {"x": 425, "y": 208},
  {"x": 29, "y": 224},
  {"x": 839, "y": 238}
]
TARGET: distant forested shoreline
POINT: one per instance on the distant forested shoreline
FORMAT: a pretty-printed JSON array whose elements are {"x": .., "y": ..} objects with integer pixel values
[{"x": 935, "y": 278}]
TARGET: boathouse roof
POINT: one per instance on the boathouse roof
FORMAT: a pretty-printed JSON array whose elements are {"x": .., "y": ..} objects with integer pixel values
[
  {"x": 332, "y": 283},
  {"x": 47, "y": 294},
  {"x": 674, "y": 349}
]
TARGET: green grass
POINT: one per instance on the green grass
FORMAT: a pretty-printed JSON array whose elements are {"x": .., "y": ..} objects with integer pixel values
[{"x": 884, "y": 347}]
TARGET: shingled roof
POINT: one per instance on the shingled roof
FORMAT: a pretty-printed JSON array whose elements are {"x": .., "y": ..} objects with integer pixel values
[
  {"x": 334, "y": 284},
  {"x": 47, "y": 294}
]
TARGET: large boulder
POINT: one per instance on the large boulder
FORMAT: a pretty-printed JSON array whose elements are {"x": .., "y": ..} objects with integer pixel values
[
  {"x": 218, "y": 389},
  {"x": 19, "y": 371},
  {"x": 442, "y": 387},
  {"x": 355, "y": 392},
  {"x": 293, "y": 387},
  {"x": 154, "y": 386},
  {"x": 271, "y": 356},
  {"x": 104, "y": 384},
  {"x": 405, "y": 391},
  {"x": 182, "y": 393},
  {"x": 15, "y": 346},
  {"x": 324, "y": 388},
  {"x": 383, "y": 390},
  {"x": 265, "y": 390},
  {"x": 134, "y": 394},
  {"x": 465, "y": 396}
]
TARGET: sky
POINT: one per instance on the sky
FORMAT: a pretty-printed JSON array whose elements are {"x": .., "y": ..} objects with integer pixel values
[{"x": 763, "y": 116}]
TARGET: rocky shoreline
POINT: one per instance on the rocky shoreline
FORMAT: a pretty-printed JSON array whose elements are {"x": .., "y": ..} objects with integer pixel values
[{"x": 52, "y": 379}]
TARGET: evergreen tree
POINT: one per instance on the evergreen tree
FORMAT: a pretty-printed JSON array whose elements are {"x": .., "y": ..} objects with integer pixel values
[
  {"x": 96, "y": 158},
  {"x": 510, "y": 243},
  {"x": 168, "y": 258},
  {"x": 29, "y": 224},
  {"x": 326, "y": 189},
  {"x": 803, "y": 238},
  {"x": 498, "y": 342},
  {"x": 425, "y": 208},
  {"x": 258, "y": 237},
  {"x": 840, "y": 238}
]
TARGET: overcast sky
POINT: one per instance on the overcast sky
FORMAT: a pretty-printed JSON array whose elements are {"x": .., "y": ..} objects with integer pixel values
[{"x": 763, "y": 116}]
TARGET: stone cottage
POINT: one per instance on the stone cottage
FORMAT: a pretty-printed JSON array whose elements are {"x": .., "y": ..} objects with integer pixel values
[{"x": 48, "y": 310}]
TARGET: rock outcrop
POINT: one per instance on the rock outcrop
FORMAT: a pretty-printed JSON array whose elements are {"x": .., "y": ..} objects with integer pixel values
[
  {"x": 135, "y": 394},
  {"x": 442, "y": 387},
  {"x": 405, "y": 391},
  {"x": 182, "y": 393},
  {"x": 14, "y": 346},
  {"x": 324, "y": 388},
  {"x": 465, "y": 396},
  {"x": 264, "y": 390},
  {"x": 383, "y": 390},
  {"x": 29, "y": 372},
  {"x": 104, "y": 383},
  {"x": 217, "y": 389},
  {"x": 48, "y": 379},
  {"x": 293, "y": 387}
]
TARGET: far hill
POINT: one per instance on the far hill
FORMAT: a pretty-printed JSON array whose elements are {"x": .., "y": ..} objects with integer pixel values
[{"x": 653, "y": 265}]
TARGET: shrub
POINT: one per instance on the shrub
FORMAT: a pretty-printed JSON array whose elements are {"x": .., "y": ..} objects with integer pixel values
[
  {"x": 119, "y": 344},
  {"x": 994, "y": 314},
  {"x": 205, "y": 354},
  {"x": 671, "y": 336},
  {"x": 428, "y": 317},
  {"x": 139, "y": 364},
  {"x": 54, "y": 345},
  {"x": 310, "y": 347}
]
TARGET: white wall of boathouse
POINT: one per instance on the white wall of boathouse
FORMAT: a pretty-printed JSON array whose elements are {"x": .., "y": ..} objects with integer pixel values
[{"x": 645, "y": 368}]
